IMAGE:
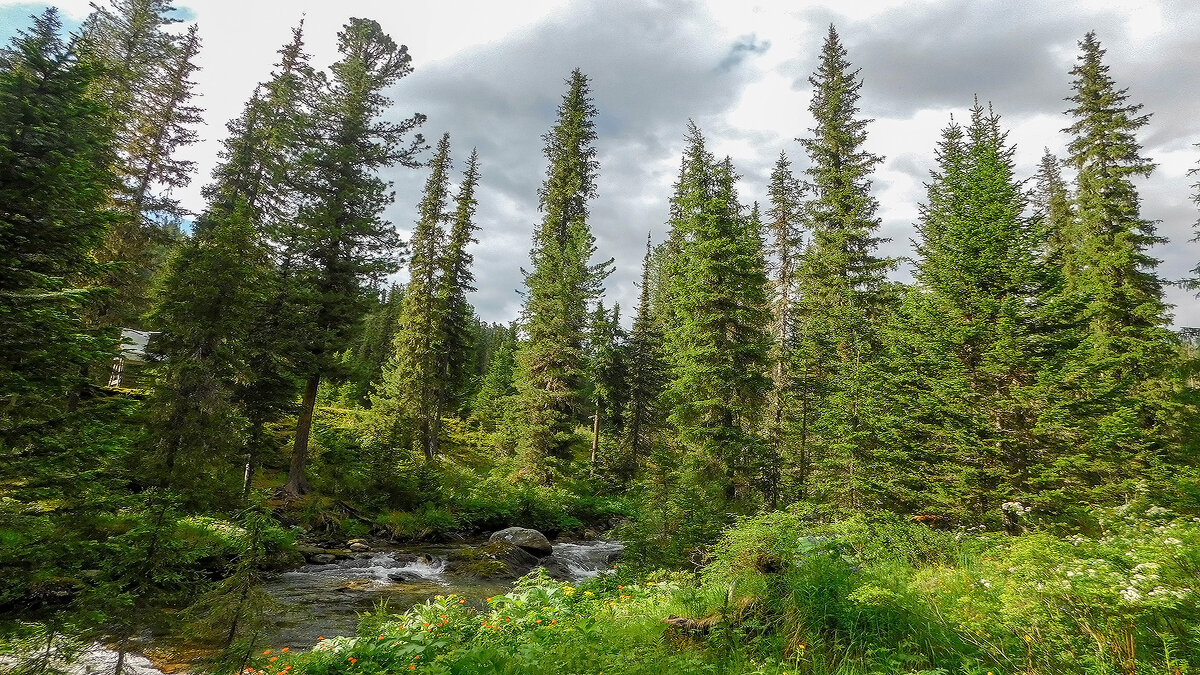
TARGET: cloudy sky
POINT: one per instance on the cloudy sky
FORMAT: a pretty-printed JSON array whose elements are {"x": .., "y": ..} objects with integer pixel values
[{"x": 491, "y": 74}]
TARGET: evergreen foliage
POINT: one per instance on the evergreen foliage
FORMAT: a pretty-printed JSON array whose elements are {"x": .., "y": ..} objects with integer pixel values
[
  {"x": 412, "y": 383},
  {"x": 962, "y": 347},
  {"x": 339, "y": 244},
  {"x": 55, "y": 159},
  {"x": 647, "y": 369},
  {"x": 719, "y": 348},
  {"x": 843, "y": 294},
  {"x": 561, "y": 283},
  {"x": 1119, "y": 372},
  {"x": 147, "y": 87},
  {"x": 459, "y": 325}
]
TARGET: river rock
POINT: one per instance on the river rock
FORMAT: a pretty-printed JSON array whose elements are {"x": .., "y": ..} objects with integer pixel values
[
  {"x": 530, "y": 540},
  {"x": 556, "y": 568},
  {"x": 494, "y": 560},
  {"x": 358, "y": 546},
  {"x": 321, "y": 559},
  {"x": 405, "y": 577}
]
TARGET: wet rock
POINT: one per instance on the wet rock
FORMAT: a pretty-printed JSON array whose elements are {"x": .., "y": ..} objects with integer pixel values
[
  {"x": 412, "y": 558},
  {"x": 494, "y": 560},
  {"x": 321, "y": 559},
  {"x": 358, "y": 545},
  {"x": 530, "y": 540},
  {"x": 405, "y": 577},
  {"x": 556, "y": 568}
]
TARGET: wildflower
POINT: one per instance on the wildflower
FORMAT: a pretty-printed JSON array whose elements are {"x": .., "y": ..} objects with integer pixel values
[
  {"x": 352, "y": 660},
  {"x": 412, "y": 667},
  {"x": 539, "y": 620},
  {"x": 1172, "y": 541},
  {"x": 284, "y": 649},
  {"x": 380, "y": 637},
  {"x": 266, "y": 652},
  {"x": 1029, "y": 638},
  {"x": 321, "y": 638},
  {"x": 274, "y": 659}
]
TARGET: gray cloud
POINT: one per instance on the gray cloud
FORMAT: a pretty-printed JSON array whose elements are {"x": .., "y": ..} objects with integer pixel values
[{"x": 651, "y": 66}]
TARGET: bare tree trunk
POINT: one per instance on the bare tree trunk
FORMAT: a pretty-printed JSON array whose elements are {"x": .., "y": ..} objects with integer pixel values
[
  {"x": 297, "y": 484},
  {"x": 595, "y": 434}
]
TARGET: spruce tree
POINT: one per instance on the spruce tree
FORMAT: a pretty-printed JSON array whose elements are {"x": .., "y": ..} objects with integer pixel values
[
  {"x": 560, "y": 284},
  {"x": 719, "y": 347},
  {"x": 412, "y": 384},
  {"x": 647, "y": 376},
  {"x": 339, "y": 244},
  {"x": 1126, "y": 348},
  {"x": 207, "y": 299},
  {"x": 147, "y": 86},
  {"x": 843, "y": 294},
  {"x": 55, "y": 177},
  {"x": 968, "y": 407},
  {"x": 459, "y": 325},
  {"x": 785, "y": 247}
]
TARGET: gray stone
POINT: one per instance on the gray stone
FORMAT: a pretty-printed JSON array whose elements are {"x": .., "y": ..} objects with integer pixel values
[
  {"x": 358, "y": 546},
  {"x": 494, "y": 560},
  {"x": 556, "y": 568},
  {"x": 321, "y": 559},
  {"x": 531, "y": 540}
]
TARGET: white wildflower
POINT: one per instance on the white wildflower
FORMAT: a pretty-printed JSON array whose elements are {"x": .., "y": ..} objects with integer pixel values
[
  {"x": 1172, "y": 541},
  {"x": 1131, "y": 594}
]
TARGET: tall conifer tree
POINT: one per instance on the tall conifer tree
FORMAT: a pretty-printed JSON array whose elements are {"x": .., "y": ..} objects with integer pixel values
[
  {"x": 340, "y": 244},
  {"x": 647, "y": 375},
  {"x": 963, "y": 348},
  {"x": 560, "y": 284},
  {"x": 843, "y": 293},
  {"x": 459, "y": 325},
  {"x": 1126, "y": 348},
  {"x": 719, "y": 347},
  {"x": 412, "y": 382},
  {"x": 55, "y": 179},
  {"x": 148, "y": 88}
]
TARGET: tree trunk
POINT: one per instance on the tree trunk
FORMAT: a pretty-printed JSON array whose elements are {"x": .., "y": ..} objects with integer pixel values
[
  {"x": 297, "y": 484},
  {"x": 595, "y": 434},
  {"x": 251, "y": 456}
]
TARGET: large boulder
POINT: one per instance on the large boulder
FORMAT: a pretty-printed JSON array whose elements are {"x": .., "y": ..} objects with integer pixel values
[
  {"x": 494, "y": 560},
  {"x": 530, "y": 540}
]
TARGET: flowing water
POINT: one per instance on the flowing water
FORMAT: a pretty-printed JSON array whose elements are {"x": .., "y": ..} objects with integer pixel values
[{"x": 326, "y": 600}]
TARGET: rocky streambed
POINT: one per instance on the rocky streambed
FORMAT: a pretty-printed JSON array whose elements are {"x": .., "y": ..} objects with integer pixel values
[{"x": 326, "y": 596}]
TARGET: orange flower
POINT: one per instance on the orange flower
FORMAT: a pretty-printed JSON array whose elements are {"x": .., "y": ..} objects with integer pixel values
[
  {"x": 352, "y": 660},
  {"x": 412, "y": 667},
  {"x": 266, "y": 652},
  {"x": 274, "y": 659},
  {"x": 539, "y": 620},
  {"x": 321, "y": 637},
  {"x": 284, "y": 649}
]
